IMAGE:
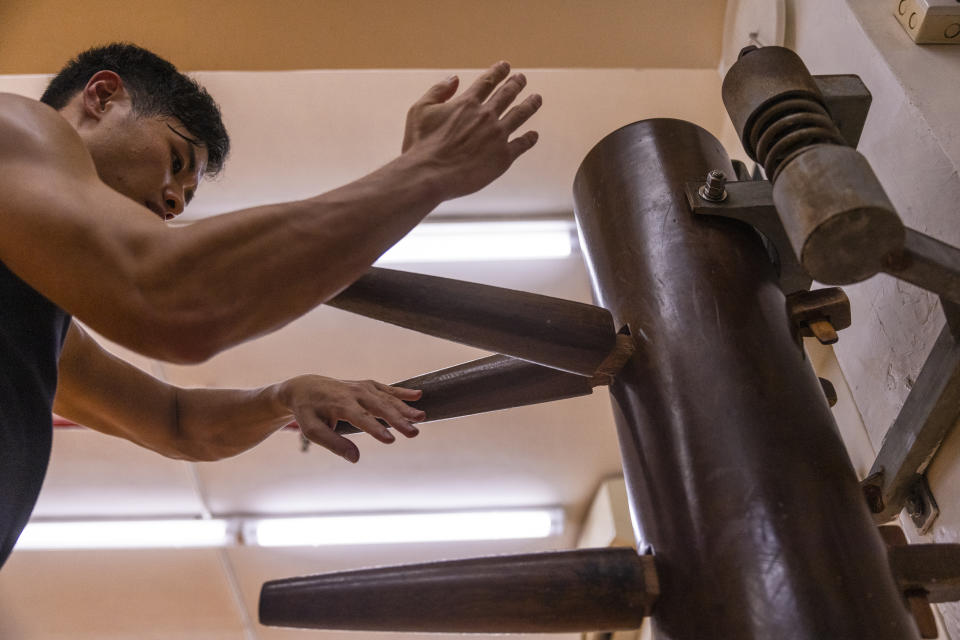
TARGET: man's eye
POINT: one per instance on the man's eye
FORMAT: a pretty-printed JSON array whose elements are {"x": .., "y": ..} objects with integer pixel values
[{"x": 177, "y": 163}]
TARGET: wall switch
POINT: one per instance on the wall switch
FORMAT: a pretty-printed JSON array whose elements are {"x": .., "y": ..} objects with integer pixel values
[{"x": 929, "y": 21}]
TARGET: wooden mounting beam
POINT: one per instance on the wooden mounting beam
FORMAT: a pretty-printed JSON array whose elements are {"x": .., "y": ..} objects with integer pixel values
[
  {"x": 489, "y": 384},
  {"x": 933, "y": 569},
  {"x": 557, "y": 333},
  {"x": 567, "y": 591}
]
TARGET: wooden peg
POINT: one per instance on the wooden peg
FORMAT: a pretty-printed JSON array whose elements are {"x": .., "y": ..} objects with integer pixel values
[{"x": 560, "y": 592}]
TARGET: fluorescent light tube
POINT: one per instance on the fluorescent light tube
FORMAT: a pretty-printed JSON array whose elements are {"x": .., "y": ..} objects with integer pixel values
[
  {"x": 396, "y": 528},
  {"x": 124, "y": 534},
  {"x": 482, "y": 241},
  {"x": 298, "y": 531}
]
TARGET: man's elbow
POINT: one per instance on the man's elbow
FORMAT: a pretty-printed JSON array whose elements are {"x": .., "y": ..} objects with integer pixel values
[
  {"x": 198, "y": 454},
  {"x": 185, "y": 342},
  {"x": 189, "y": 350}
]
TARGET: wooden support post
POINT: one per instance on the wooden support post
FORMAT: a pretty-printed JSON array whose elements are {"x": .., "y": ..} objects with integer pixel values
[
  {"x": 737, "y": 478},
  {"x": 596, "y": 589},
  {"x": 557, "y": 333},
  {"x": 488, "y": 384}
]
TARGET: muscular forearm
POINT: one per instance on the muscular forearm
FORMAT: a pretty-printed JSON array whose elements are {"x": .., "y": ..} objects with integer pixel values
[
  {"x": 246, "y": 273},
  {"x": 103, "y": 392}
]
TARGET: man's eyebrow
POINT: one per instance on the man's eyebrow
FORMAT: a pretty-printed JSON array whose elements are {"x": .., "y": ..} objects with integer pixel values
[{"x": 191, "y": 146}]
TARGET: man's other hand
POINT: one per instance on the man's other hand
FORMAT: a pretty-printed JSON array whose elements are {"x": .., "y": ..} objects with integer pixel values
[
  {"x": 318, "y": 403},
  {"x": 467, "y": 138}
]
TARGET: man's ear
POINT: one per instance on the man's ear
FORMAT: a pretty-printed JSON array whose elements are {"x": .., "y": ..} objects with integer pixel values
[{"x": 103, "y": 90}]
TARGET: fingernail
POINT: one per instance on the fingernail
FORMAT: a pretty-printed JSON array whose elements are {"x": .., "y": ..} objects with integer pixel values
[
  {"x": 352, "y": 455},
  {"x": 450, "y": 79},
  {"x": 390, "y": 436},
  {"x": 413, "y": 429}
]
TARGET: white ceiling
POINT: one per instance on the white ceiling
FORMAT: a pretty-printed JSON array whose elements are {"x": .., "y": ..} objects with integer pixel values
[{"x": 296, "y": 134}]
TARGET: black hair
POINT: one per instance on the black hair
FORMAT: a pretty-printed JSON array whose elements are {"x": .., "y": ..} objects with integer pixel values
[{"x": 156, "y": 88}]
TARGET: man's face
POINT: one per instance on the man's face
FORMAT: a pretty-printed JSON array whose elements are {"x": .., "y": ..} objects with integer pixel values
[{"x": 149, "y": 159}]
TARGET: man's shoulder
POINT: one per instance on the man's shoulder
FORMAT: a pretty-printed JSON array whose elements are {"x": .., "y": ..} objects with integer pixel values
[{"x": 29, "y": 128}]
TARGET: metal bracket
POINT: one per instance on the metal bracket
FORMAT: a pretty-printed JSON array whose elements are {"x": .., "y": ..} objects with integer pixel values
[
  {"x": 921, "y": 506},
  {"x": 930, "y": 411},
  {"x": 847, "y": 100},
  {"x": 952, "y": 312},
  {"x": 928, "y": 263},
  {"x": 752, "y": 202}
]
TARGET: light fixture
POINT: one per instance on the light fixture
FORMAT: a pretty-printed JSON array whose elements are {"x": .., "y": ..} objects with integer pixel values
[
  {"x": 293, "y": 531},
  {"x": 124, "y": 534},
  {"x": 483, "y": 241},
  {"x": 397, "y": 528}
]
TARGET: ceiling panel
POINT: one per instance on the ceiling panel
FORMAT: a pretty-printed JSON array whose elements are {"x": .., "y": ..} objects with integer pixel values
[
  {"x": 117, "y": 595},
  {"x": 532, "y": 456}
]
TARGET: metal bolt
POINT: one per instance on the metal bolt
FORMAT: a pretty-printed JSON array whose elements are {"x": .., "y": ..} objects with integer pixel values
[
  {"x": 914, "y": 505},
  {"x": 872, "y": 487},
  {"x": 713, "y": 190},
  {"x": 874, "y": 496}
]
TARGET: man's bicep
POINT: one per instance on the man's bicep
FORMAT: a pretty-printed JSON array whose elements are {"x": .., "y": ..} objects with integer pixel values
[{"x": 103, "y": 392}]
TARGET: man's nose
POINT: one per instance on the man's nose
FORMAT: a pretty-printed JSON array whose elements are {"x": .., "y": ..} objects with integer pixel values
[{"x": 173, "y": 201}]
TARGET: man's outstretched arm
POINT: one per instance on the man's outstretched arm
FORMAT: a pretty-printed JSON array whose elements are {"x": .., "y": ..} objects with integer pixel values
[
  {"x": 105, "y": 393},
  {"x": 184, "y": 294}
]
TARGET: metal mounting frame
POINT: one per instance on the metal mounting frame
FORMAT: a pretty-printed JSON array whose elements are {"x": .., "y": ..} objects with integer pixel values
[
  {"x": 752, "y": 202},
  {"x": 933, "y": 407},
  {"x": 930, "y": 411}
]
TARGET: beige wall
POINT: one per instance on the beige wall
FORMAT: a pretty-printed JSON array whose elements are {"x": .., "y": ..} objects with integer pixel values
[{"x": 37, "y": 36}]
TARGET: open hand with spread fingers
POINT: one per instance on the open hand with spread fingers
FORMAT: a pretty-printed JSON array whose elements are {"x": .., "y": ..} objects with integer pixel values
[
  {"x": 466, "y": 140},
  {"x": 318, "y": 403}
]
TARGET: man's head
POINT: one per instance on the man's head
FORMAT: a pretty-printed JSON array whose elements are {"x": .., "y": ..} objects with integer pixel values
[{"x": 161, "y": 102}]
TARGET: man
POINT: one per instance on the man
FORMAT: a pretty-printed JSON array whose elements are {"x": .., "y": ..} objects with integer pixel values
[{"x": 87, "y": 180}]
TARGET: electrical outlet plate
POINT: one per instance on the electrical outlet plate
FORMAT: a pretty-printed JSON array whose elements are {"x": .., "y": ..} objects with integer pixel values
[{"x": 929, "y": 21}]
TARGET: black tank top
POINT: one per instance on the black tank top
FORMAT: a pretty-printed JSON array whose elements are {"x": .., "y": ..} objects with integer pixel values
[{"x": 32, "y": 331}]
